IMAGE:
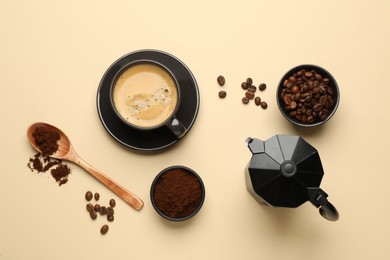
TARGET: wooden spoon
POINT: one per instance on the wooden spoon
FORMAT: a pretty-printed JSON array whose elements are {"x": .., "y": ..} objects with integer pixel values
[{"x": 65, "y": 151}]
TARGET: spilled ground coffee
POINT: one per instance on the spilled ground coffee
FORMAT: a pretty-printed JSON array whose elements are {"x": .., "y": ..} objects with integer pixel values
[{"x": 40, "y": 163}]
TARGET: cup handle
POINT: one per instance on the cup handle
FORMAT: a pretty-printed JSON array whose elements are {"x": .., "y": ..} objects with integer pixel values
[{"x": 176, "y": 127}]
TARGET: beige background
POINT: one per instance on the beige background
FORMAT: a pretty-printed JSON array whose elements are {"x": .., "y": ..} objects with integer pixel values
[{"x": 53, "y": 55}]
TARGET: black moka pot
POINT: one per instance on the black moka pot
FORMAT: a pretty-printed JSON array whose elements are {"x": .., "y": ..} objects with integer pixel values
[{"x": 286, "y": 171}]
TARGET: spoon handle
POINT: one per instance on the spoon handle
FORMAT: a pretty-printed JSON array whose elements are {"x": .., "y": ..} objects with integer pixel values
[{"x": 124, "y": 194}]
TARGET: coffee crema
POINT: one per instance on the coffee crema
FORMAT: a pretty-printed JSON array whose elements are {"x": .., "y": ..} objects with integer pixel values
[{"x": 145, "y": 95}]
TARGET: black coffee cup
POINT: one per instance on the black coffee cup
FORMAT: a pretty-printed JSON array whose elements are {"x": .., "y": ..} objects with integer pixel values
[{"x": 145, "y": 95}]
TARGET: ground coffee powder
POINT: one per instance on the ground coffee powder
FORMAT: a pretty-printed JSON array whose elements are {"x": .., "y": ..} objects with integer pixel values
[
  {"x": 46, "y": 140},
  {"x": 40, "y": 163},
  {"x": 177, "y": 193}
]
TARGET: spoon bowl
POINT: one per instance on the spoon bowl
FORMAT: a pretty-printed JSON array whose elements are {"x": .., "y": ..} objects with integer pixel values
[
  {"x": 64, "y": 144},
  {"x": 65, "y": 151}
]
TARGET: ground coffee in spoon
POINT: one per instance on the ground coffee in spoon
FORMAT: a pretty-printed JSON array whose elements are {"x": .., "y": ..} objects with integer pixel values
[{"x": 46, "y": 140}]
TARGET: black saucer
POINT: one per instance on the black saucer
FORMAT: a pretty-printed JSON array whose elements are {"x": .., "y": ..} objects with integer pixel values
[{"x": 160, "y": 138}]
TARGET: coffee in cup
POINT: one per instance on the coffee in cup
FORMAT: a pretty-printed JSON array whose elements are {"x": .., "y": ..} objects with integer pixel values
[{"x": 146, "y": 96}]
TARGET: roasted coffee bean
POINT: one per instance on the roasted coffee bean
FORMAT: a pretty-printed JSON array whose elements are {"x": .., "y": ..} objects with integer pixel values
[
  {"x": 285, "y": 82},
  {"x": 310, "y": 119},
  {"x": 93, "y": 215},
  {"x": 88, "y": 196},
  {"x": 244, "y": 85},
  {"x": 257, "y": 101},
  {"x": 304, "y": 118},
  {"x": 264, "y": 105},
  {"x": 89, "y": 207},
  {"x": 323, "y": 117},
  {"x": 112, "y": 203},
  {"x": 294, "y": 89},
  {"x": 222, "y": 94},
  {"x": 251, "y": 88},
  {"x": 249, "y": 81},
  {"x": 110, "y": 211},
  {"x": 322, "y": 88},
  {"x": 309, "y": 112},
  {"x": 287, "y": 99},
  {"x": 308, "y": 74},
  {"x": 293, "y": 113},
  {"x": 308, "y": 99},
  {"x": 103, "y": 210},
  {"x": 317, "y": 107},
  {"x": 293, "y": 105},
  {"x": 221, "y": 80},
  {"x": 245, "y": 100},
  {"x": 96, "y": 196},
  {"x": 318, "y": 77},
  {"x": 250, "y": 95},
  {"x": 96, "y": 207},
  {"x": 326, "y": 80},
  {"x": 293, "y": 79},
  {"x": 104, "y": 229},
  {"x": 110, "y": 218},
  {"x": 262, "y": 86}
]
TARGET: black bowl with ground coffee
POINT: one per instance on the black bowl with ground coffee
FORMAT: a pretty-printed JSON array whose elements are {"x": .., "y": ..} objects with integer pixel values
[
  {"x": 308, "y": 95},
  {"x": 177, "y": 193}
]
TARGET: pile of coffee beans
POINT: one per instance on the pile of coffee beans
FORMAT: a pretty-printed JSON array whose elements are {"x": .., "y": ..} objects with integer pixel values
[
  {"x": 307, "y": 96},
  {"x": 96, "y": 208},
  {"x": 250, "y": 93}
]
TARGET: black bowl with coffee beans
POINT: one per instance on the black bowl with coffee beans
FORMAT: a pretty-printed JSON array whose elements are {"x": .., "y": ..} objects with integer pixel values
[{"x": 308, "y": 95}]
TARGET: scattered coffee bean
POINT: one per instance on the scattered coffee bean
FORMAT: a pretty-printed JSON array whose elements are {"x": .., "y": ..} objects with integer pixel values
[
  {"x": 221, "y": 80},
  {"x": 264, "y": 105},
  {"x": 110, "y": 218},
  {"x": 257, "y": 101},
  {"x": 222, "y": 94},
  {"x": 110, "y": 211},
  {"x": 89, "y": 207},
  {"x": 252, "y": 88},
  {"x": 103, "y": 210},
  {"x": 96, "y": 207},
  {"x": 93, "y": 215},
  {"x": 112, "y": 203},
  {"x": 88, "y": 195},
  {"x": 262, "y": 86},
  {"x": 307, "y": 96},
  {"x": 250, "y": 95},
  {"x": 104, "y": 229},
  {"x": 97, "y": 196},
  {"x": 246, "y": 85}
]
